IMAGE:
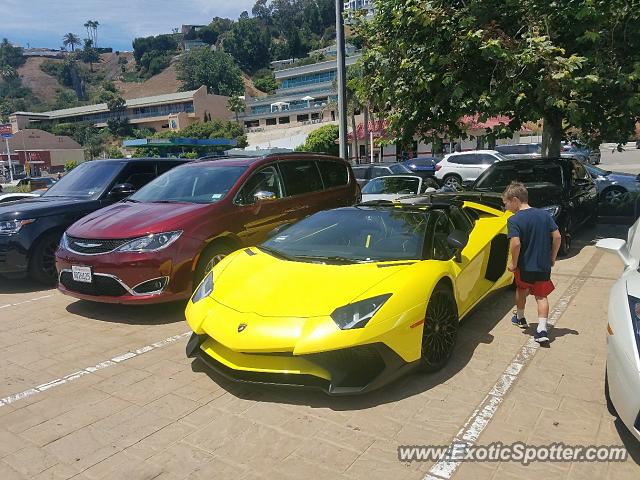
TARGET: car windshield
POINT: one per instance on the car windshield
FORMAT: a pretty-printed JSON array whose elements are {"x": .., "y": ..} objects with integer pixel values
[
  {"x": 501, "y": 175},
  {"x": 88, "y": 180},
  {"x": 382, "y": 185},
  {"x": 421, "y": 162},
  {"x": 191, "y": 184},
  {"x": 399, "y": 168},
  {"x": 352, "y": 235}
]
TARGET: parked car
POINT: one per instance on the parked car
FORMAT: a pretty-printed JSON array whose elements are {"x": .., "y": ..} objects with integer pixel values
[
  {"x": 612, "y": 186},
  {"x": 36, "y": 183},
  {"x": 423, "y": 166},
  {"x": 30, "y": 230},
  {"x": 590, "y": 155},
  {"x": 519, "y": 149},
  {"x": 393, "y": 187},
  {"x": 158, "y": 244},
  {"x": 622, "y": 378},
  {"x": 562, "y": 186},
  {"x": 355, "y": 296},
  {"x": 364, "y": 173},
  {"x": 457, "y": 167},
  {"x": 14, "y": 197}
]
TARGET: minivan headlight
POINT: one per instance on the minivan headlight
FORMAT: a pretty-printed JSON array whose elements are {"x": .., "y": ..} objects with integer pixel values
[
  {"x": 150, "y": 243},
  {"x": 11, "y": 227},
  {"x": 358, "y": 314}
]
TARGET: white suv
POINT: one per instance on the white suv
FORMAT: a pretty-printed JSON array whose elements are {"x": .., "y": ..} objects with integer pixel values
[{"x": 457, "y": 167}]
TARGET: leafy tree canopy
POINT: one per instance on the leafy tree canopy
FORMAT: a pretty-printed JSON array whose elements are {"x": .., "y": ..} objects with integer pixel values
[
  {"x": 322, "y": 140},
  {"x": 573, "y": 64},
  {"x": 217, "y": 70}
]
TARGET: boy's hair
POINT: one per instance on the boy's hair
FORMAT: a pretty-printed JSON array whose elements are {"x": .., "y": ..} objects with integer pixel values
[{"x": 516, "y": 190}]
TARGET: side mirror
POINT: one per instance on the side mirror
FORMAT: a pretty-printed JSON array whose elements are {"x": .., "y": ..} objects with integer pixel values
[
  {"x": 467, "y": 184},
  {"x": 263, "y": 196},
  {"x": 620, "y": 248},
  {"x": 122, "y": 190},
  {"x": 458, "y": 240}
]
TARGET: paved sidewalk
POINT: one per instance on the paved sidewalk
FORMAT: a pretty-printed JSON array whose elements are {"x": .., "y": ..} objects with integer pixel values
[{"x": 155, "y": 414}]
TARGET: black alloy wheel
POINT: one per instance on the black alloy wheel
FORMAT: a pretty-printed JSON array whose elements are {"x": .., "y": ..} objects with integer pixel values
[{"x": 440, "y": 329}]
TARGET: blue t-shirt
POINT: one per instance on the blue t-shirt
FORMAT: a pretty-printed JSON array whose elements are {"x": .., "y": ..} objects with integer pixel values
[{"x": 534, "y": 227}]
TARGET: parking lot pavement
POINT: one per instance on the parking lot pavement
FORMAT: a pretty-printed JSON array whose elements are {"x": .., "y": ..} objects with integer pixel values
[{"x": 92, "y": 391}]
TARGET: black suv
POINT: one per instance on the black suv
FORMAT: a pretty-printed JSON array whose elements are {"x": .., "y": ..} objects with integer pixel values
[
  {"x": 562, "y": 186},
  {"x": 31, "y": 230}
]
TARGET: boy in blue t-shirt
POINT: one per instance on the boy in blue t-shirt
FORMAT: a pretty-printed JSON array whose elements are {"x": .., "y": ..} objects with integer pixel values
[{"x": 535, "y": 241}]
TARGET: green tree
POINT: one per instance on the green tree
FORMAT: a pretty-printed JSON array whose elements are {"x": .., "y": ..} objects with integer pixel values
[
  {"x": 265, "y": 81},
  {"x": 89, "y": 54},
  {"x": 248, "y": 42},
  {"x": 322, "y": 140},
  {"x": 216, "y": 70},
  {"x": 70, "y": 165},
  {"x": 236, "y": 105},
  {"x": 572, "y": 64},
  {"x": 10, "y": 55},
  {"x": 71, "y": 40}
]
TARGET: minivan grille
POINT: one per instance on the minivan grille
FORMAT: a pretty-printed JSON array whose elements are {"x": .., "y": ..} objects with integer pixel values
[{"x": 90, "y": 246}]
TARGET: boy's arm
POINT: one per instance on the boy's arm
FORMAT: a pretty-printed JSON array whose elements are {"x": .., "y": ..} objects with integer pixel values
[
  {"x": 514, "y": 245},
  {"x": 555, "y": 245}
]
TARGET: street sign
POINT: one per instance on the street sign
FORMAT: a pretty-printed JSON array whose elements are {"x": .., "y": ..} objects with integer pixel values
[{"x": 5, "y": 130}]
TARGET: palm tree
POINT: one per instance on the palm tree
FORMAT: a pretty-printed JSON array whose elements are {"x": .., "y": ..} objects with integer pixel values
[
  {"x": 236, "y": 105},
  {"x": 7, "y": 72},
  {"x": 92, "y": 31},
  {"x": 72, "y": 40}
]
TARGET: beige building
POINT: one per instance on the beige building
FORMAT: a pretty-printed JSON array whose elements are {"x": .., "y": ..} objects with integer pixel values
[
  {"x": 43, "y": 149},
  {"x": 172, "y": 111}
]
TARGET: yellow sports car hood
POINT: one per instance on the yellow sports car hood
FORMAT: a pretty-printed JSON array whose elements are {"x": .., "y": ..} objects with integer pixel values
[{"x": 262, "y": 284}]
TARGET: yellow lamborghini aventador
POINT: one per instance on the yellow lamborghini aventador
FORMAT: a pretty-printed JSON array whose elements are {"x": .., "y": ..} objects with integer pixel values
[{"x": 348, "y": 299}]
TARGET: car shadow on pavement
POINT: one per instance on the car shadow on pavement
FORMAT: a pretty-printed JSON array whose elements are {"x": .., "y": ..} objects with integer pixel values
[
  {"x": 628, "y": 440},
  {"x": 161, "y": 314},
  {"x": 474, "y": 330},
  {"x": 22, "y": 285}
]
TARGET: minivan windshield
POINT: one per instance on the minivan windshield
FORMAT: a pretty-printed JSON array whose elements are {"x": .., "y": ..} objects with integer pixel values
[
  {"x": 191, "y": 184},
  {"x": 88, "y": 180},
  {"x": 383, "y": 185},
  {"x": 352, "y": 235}
]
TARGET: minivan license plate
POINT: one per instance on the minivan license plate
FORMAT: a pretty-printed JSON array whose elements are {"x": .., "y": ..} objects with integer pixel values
[{"x": 81, "y": 274}]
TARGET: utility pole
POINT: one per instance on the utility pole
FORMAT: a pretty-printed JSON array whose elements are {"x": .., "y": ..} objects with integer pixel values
[{"x": 342, "y": 78}]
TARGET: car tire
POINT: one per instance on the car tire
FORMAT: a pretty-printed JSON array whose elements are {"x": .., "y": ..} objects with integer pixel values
[
  {"x": 210, "y": 257},
  {"x": 452, "y": 180},
  {"x": 42, "y": 265},
  {"x": 440, "y": 330},
  {"x": 612, "y": 196}
]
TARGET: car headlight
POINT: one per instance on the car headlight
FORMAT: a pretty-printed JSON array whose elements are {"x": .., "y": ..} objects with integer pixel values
[
  {"x": 204, "y": 289},
  {"x": 11, "y": 227},
  {"x": 358, "y": 314},
  {"x": 554, "y": 210},
  {"x": 150, "y": 243},
  {"x": 634, "y": 306}
]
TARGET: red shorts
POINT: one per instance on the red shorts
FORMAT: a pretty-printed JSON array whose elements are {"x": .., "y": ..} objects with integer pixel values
[{"x": 540, "y": 288}]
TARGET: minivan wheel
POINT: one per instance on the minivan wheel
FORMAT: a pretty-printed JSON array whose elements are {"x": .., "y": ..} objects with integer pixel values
[
  {"x": 42, "y": 266},
  {"x": 453, "y": 181},
  {"x": 210, "y": 257}
]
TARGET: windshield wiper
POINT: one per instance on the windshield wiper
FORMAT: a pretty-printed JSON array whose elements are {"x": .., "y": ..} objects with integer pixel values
[
  {"x": 333, "y": 258},
  {"x": 276, "y": 253},
  {"x": 130, "y": 200}
]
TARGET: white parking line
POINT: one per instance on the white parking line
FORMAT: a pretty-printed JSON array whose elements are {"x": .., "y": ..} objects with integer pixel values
[
  {"x": 26, "y": 301},
  {"x": 445, "y": 468},
  {"x": 89, "y": 370}
]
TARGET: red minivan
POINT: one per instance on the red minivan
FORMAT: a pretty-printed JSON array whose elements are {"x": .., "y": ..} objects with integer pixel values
[{"x": 156, "y": 245}]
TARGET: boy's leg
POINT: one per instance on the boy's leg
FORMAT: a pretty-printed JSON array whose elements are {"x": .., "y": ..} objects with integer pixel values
[
  {"x": 521, "y": 300},
  {"x": 543, "y": 313}
]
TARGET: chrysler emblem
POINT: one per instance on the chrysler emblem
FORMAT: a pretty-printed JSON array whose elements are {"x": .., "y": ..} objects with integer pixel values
[{"x": 241, "y": 327}]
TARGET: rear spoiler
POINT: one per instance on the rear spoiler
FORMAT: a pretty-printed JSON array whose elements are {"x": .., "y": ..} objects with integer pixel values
[{"x": 489, "y": 199}]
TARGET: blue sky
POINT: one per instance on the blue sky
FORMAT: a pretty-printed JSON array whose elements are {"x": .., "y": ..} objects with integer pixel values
[{"x": 43, "y": 23}]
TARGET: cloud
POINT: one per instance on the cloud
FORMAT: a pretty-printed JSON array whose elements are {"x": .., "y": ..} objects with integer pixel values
[{"x": 44, "y": 22}]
